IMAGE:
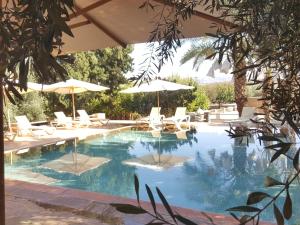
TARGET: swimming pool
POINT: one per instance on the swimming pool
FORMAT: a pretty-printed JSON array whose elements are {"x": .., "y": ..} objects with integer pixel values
[{"x": 204, "y": 170}]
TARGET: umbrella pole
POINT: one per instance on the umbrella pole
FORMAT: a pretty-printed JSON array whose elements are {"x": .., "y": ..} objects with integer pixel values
[
  {"x": 73, "y": 103},
  {"x": 157, "y": 93},
  {"x": 2, "y": 189},
  {"x": 8, "y": 121}
]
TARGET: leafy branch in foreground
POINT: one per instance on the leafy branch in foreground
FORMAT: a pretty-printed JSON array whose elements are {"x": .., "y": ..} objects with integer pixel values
[
  {"x": 172, "y": 218},
  {"x": 31, "y": 40},
  {"x": 252, "y": 213},
  {"x": 167, "y": 32}
]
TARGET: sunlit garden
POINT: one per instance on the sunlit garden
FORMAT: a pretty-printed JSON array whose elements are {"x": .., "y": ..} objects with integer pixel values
[{"x": 150, "y": 112}]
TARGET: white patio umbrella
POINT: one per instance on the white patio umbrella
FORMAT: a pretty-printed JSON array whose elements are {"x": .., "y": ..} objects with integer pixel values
[
  {"x": 157, "y": 86},
  {"x": 73, "y": 87}
]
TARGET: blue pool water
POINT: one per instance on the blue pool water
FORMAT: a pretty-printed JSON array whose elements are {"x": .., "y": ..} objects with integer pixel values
[{"x": 212, "y": 171}]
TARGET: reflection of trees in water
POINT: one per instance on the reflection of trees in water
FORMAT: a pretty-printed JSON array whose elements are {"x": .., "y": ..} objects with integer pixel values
[
  {"x": 228, "y": 178},
  {"x": 168, "y": 142},
  {"x": 35, "y": 156}
]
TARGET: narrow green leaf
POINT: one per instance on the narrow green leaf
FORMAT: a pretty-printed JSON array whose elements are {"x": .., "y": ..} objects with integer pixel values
[
  {"x": 244, "y": 219},
  {"x": 243, "y": 208},
  {"x": 184, "y": 220},
  {"x": 279, "y": 152},
  {"x": 278, "y": 216},
  {"x": 287, "y": 207},
  {"x": 155, "y": 223},
  {"x": 257, "y": 220},
  {"x": 165, "y": 203},
  {"x": 137, "y": 187},
  {"x": 269, "y": 182},
  {"x": 15, "y": 91},
  {"x": 234, "y": 216},
  {"x": 296, "y": 160},
  {"x": 269, "y": 138},
  {"x": 278, "y": 145},
  {"x": 150, "y": 195},
  {"x": 128, "y": 209},
  {"x": 256, "y": 197},
  {"x": 10, "y": 98}
]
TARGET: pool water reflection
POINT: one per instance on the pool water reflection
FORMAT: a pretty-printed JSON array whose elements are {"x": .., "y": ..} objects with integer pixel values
[{"x": 206, "y": 170}]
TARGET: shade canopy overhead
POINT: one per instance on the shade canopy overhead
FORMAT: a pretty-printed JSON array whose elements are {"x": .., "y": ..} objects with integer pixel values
[{"x": 99, "y": 24}]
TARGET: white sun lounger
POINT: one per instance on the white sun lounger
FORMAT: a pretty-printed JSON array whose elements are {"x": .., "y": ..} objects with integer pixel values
[
  {"x": 64, "y": 121},
  {"x": 86, "y": 120},
  {"x": 24, "y": 127},
  {"x": 179, "y": 119},
  {"x": 248, "y": 113},
  {"x": 155, "y": 119}
]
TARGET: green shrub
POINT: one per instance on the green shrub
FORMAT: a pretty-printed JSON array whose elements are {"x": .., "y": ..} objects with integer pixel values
[
  {"x": 225, "y": 94},
  {"x": 201, "y": 101},
  {"x": 33, "y": 106},
  {"x": 220, "y": 92}
]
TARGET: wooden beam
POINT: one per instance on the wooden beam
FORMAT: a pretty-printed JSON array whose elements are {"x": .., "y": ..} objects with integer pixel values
[
  {"x": 213, "y": 19},
  {"x": 88, "y": 8},
  {"x": 79, "y": 24},
  {"x": 102, "y": 27},
  {"x": 202, "y": 15}
]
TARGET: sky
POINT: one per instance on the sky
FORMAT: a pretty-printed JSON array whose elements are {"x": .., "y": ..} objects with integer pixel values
[{"x": 185, "y": 70}]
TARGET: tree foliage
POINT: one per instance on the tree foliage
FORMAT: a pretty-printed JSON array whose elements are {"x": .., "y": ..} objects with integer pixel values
[
  {"x": 261, "y": 37},
  {"x": 30, "y": 34},
  {"x": 198, "y": 53},
  {"x": 220, "y": 92},
  {"x": 105, "y": 67}
]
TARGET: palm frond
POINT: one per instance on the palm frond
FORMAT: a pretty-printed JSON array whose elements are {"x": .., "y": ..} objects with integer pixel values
[{"x": 198, "y": 52}]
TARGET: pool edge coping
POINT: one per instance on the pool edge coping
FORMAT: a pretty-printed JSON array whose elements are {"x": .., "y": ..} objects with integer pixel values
[
  {"x": 83, "y": 201},
  {"x": 50, "y": 141}
]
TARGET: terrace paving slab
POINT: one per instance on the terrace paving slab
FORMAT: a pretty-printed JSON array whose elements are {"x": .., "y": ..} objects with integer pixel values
[
  {"x": 70, "y": 206},
  {"x": 23, "y": 211}
]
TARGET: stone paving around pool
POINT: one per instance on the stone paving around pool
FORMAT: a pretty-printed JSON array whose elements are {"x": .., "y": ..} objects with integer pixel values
[
  {"x": 28, "y": 203},
  {"x": 58, "y": 136}
]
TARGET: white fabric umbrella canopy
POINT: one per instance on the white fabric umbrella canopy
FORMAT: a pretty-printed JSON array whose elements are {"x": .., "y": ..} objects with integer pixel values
[
  {"x": 157, "y": 86},
  {"x": 72, "y": 87},
  {"x": 34, "y": 87}
]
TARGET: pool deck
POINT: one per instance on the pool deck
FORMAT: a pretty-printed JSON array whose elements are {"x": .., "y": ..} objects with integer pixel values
[
  {"x": 68, "y": 134},
  {"x": 58, "y": 136},
  {"x": 32, "y": 203},
  {"x": 87, "y": 206}
]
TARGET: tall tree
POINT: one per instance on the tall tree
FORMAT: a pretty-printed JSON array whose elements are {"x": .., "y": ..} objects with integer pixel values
[
  {"x": 198, "y": 52},
  {"x": 29, "y": 32},
  {"x": 106, "y": 67},
  {"x": 263, "y": 35}
]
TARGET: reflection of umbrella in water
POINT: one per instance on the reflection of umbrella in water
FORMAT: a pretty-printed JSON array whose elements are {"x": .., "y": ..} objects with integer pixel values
[
  {"x": 75, "y": 163},
  {"x": 157, "y": 161}
]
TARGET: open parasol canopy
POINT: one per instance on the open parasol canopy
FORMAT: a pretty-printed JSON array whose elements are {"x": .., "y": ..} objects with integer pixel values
[
  {"x": 73, "y": 87},
  {"x": 157, "y": 86}
]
